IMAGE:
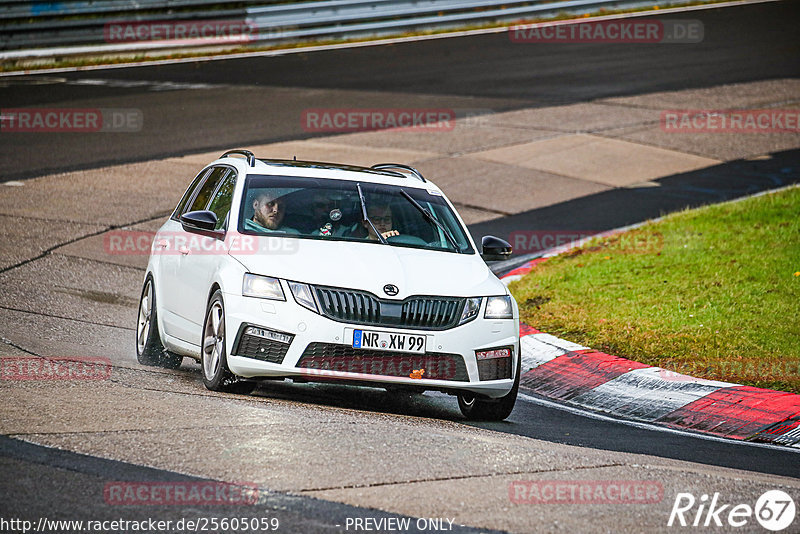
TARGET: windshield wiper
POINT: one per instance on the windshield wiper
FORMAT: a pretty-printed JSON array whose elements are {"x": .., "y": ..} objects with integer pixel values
[
  {"x": 366, "y": 217},
  {"x": 428, "y": 215}
]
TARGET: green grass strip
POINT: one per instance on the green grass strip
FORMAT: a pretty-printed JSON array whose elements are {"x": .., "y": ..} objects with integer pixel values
[{"x": 711, "y": 292}]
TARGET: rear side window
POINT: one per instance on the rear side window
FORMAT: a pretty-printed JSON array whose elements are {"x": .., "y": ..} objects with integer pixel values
[
  {"x": 222, "y": 200},
  {"x": 189, "y": 194},
  {"x": 206, "y": 190}
]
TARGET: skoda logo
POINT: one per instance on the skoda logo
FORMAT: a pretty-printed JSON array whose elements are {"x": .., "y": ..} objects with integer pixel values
[{"x": 391, "y": 290}]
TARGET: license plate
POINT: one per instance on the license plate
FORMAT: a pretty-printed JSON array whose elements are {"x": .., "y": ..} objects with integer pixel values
[{"x": 388, "y": 341}]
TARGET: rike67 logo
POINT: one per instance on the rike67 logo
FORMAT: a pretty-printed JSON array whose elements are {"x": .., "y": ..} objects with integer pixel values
[{"x": 774, "y": 510}]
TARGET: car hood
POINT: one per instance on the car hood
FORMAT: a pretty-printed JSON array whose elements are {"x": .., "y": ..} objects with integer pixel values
[{"x": 370, "y": 266}]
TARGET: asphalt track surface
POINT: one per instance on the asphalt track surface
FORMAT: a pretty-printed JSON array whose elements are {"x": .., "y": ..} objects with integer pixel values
[
  {"x": 541, "y": 421},
  {"x": 75, "y": 480},
  {"x": 259, "y": 100}
]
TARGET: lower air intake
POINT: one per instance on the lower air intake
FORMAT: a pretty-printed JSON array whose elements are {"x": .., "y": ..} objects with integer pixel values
[{"x": 344, "y": 358}]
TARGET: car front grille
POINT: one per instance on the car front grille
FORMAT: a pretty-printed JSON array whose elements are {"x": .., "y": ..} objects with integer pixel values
[
  {"x": 259, "y": 348},
  {"x": 344, "y": 358},
  {"x": 360, "y": 307}
]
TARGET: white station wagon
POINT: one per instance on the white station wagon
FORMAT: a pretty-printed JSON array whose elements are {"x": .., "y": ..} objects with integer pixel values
[{"x": 276, "y": 269}]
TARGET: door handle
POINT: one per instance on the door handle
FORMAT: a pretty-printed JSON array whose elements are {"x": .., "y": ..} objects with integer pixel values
[
  {"x": 184, "y": 250},
  {"x": 162, "y": 243}
]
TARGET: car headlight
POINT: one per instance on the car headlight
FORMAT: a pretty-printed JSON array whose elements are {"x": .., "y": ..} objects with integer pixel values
[
  {"x": 471, "y": 309},
  {"x": 303, "y": 295},
  {"x": 263, "y": 287},
  {"x": 499, "y": 308}
]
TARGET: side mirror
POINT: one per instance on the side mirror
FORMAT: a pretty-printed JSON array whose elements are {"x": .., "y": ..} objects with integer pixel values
[
  {"x": 495, "y": 249},
  {"x": 199, "y": 220}
]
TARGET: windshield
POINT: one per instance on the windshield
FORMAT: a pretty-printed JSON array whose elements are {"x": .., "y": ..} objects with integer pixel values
[{"x": 315, "y": 208}]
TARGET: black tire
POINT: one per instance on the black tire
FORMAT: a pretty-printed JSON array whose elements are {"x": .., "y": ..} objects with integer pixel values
[
  {"x": 213, "y": 358},
  {"x": 148, "y": 341},
  {"x": 149, "y": 350},
  {"x": 478, "y": 409}
]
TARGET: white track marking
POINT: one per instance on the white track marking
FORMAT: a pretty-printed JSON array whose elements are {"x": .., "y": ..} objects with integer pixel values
[
  {"x": 537, "y": 349},
  {"x": 645, "y": 394},
  {"x": 148, "y": 84}
]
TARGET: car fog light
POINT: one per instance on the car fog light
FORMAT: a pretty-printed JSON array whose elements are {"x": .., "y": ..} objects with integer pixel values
[{"x": 272, "y": 335}]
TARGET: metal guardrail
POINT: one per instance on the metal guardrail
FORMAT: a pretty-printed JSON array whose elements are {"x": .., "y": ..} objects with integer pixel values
[
  {"x": 91, "y": 31},
  {"x": 20, "y": 8},
  {"x": 31, "y": 29},
  {"x": 340, "y": 17}
]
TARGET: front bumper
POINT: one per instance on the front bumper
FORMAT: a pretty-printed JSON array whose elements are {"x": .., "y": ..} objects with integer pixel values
[{"x": 320, "y": 349}]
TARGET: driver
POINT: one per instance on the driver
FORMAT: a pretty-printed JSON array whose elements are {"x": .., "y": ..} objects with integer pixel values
[
  {"x": 269, "y": 211},
  {"x": 381, "y": 217}
]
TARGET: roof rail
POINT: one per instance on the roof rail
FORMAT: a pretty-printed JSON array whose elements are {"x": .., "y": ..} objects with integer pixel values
[
  {"x": 399, "y": 167},
  {"x": 251, "y": 159}
]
